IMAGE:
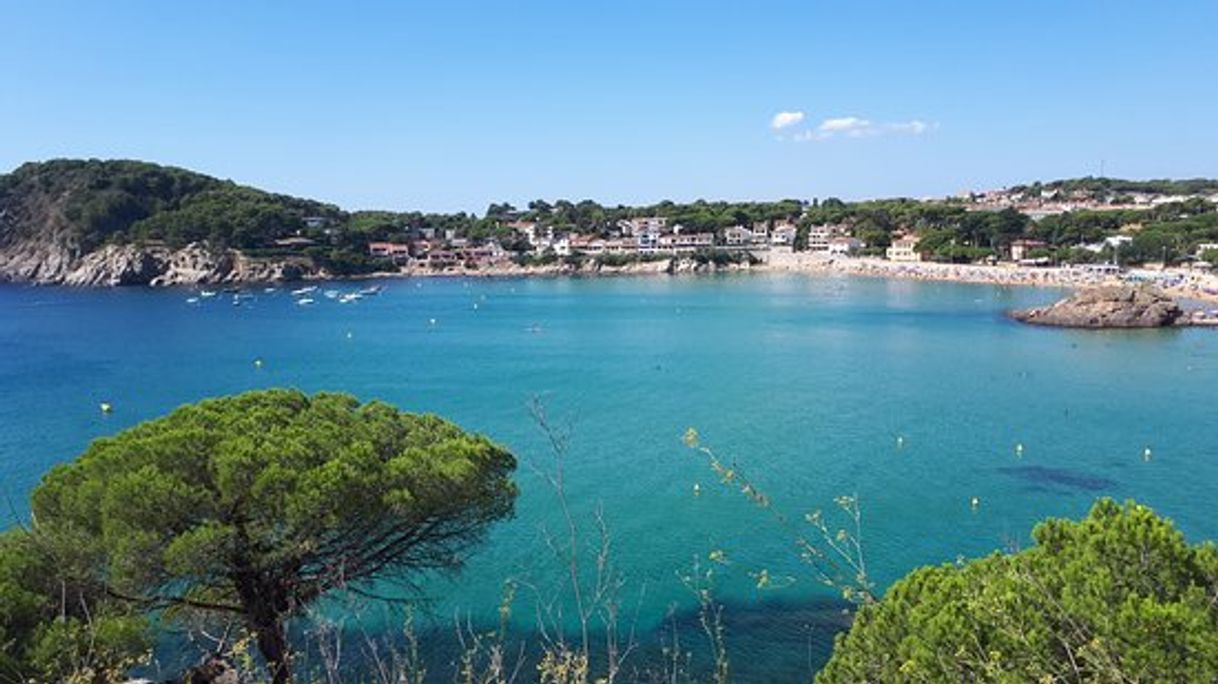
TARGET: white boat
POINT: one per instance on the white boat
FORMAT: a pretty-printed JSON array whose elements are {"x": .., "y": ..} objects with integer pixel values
[
  {"x": 207, "y": 293},
  {"x": 330, "y": 294},
  {"x": 192, "y": 300},
  {"x": 350, "y": 297},
  {"x": 373, "y": 290},
  {"x": 305, "y": 301},
  {"x": 269, "y": 290},
  {"x": 304, "y": 290}
]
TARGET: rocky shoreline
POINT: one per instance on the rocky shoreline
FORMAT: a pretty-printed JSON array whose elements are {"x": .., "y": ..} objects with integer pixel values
[
  {"x": 197, "y": 264},
  {"x": 121, "y": 265}
]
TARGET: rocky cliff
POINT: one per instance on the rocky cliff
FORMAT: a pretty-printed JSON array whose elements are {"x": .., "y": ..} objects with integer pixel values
[
  {"x": 93, "y": 222},
  {"x": 111, "y": 265},
  {"x": 1108, "y": 307}
]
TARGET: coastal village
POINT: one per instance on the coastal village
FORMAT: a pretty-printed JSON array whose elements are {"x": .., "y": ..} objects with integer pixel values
[
  {"x": 1063, "y": 233},
  {"x": 796, "y": 243}
]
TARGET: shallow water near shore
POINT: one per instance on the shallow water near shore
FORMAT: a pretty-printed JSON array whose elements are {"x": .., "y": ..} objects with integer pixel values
[{"x": 912, "y": 395}]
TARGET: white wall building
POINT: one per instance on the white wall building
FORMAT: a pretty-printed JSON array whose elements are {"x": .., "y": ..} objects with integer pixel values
[
  {"x": 845, "y": 246},
  {"x": 903, "y": 249},
  {"x": 638, "y": 226}
]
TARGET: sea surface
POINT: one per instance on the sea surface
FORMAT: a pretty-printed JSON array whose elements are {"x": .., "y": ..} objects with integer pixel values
[{"x": 914, "y": 397}]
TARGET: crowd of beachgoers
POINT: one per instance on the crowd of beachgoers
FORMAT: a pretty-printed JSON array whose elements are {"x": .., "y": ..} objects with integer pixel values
[{"x": 1180, "y": 283}]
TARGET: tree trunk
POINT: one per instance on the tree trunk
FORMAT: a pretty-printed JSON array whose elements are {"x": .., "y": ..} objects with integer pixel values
[{"x": 273, "y": 644}]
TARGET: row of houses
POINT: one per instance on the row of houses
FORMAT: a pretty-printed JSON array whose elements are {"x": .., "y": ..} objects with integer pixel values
[
  {"x": 425, "y": 253},
  {"x": 655, "y": 234},
  {"x": 646, "y": 235}
]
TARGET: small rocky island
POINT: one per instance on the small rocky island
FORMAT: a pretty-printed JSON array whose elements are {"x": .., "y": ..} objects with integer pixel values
[{"x": 1115, "y": 306}]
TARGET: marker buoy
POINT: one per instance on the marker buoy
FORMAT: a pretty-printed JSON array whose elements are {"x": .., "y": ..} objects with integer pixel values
[
  {"x": 106, "y": 407},
  {"x": 974, "y": 503}
]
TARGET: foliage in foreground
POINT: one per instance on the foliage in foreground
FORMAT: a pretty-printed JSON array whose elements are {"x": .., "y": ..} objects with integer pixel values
[
  {"x": 256, "y": 506},
  {"x": 1118, "y": 596},
  {"x": 54, "y": 630}
]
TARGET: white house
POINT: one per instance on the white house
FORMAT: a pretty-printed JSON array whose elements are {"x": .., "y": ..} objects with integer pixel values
[
  {"x": 903, "y": 249},
  {"x": 690, "y": 242},
  {"x": 738, "y": 236},
  {"x": 637, "y": 226},
  {"x": 845, "y": 246},
  {"x": 783, "y": 234},
  {"x": 818, "y": 238}
]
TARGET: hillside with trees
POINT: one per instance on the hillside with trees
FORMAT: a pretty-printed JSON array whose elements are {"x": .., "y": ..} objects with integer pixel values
[{"x": 55, "y": 214}]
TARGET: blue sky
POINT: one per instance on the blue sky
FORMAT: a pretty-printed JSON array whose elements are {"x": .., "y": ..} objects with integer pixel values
[{"x": 452, "y": 105}]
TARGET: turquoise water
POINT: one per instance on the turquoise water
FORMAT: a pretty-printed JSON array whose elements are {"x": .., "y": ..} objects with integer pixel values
[{"x": 806, "y": 382}]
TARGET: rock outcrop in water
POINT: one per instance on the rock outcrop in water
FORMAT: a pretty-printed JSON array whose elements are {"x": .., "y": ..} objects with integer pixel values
[{"x": 1108, "y": 307}]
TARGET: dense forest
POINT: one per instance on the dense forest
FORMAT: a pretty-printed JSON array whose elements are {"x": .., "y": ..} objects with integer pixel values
[{"x": 89, "y": 203}]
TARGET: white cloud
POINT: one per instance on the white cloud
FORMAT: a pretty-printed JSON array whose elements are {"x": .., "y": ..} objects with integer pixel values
[
  {"x": 783, "y": 120},
  {"x": 847, "y": 125},
  {"x": 914, "y": 127},
  {"x": 856, "y": 127}
]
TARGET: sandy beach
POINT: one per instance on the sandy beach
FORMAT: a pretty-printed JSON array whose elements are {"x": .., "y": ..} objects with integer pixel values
[{"x": 1194, "y": 285}]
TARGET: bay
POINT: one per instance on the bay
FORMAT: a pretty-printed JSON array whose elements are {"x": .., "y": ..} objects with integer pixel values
[{"x": 914, "y": 396}]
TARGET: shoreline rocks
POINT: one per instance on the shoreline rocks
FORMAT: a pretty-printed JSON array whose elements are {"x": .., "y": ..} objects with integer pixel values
[
  {"x": 1108, "y": 307},
  {"x": 122, "y": 265}
]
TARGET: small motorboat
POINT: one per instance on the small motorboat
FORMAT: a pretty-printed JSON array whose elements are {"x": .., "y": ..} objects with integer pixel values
[
  {"x": 371, "y": 291},
  {"x": 304, "y": 290},
  {"x": 304, "y": 301},
  {"x": 207, "y": 293}
]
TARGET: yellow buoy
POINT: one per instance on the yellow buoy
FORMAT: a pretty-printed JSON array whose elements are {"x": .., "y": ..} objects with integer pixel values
[{"x": 106, "y": 407}]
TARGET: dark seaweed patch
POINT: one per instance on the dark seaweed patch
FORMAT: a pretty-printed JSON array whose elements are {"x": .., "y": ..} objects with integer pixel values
[{"x": 1058, "y": 477}]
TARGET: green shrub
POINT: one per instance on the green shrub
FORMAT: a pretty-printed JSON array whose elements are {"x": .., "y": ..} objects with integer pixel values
[{"x": 1118, "y": 596}]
